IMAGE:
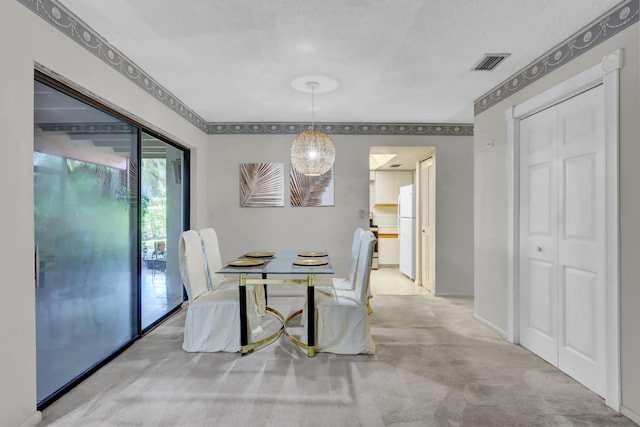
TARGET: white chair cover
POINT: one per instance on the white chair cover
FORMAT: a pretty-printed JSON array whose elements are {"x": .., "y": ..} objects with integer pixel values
[
  {"x": 342, "y": 317},
  {"x": 211, "y": 249},
  {"x": 212, "y": 255},
  {"x": 349, "y": 282},
  {"x": 213, "y": 316}
]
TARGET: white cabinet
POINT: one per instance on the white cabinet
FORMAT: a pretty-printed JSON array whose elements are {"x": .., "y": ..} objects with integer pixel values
[
  {"x": 384, "y": 188},
  {"x": 387, "y": 186},
  {"x": 388, "y": 251}
]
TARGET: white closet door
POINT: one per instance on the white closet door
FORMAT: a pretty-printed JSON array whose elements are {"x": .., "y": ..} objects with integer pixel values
[
  {"x": 562, "y": 214},
  {"x": 538, "y": 235},
  {"x": 581, "y": 239}
]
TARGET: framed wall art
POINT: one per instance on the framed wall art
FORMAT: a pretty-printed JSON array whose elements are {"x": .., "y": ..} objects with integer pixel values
[
  {"x": 312, "y": 190},
  {"x": 261, "y": 185}
]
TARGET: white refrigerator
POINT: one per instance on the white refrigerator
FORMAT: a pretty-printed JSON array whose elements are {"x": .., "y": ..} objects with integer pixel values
[{"x": 407, "y": 230}]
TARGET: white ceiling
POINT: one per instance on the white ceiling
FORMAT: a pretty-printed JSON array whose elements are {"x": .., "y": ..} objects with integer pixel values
[{"x": 405, "y": 61}]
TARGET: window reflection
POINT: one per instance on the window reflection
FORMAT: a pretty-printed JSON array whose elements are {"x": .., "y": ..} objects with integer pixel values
[{"x": 86, "y": 230}]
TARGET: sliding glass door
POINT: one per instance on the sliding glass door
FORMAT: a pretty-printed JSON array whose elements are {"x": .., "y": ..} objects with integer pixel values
[
  {"x": 162, "y": 201},
  {"x": 105, "y": 243}
]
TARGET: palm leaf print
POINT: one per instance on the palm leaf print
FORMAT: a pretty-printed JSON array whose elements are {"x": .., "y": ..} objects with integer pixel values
[
  {"x": 261, "y": 184},
  {"x": 309, "y": 190}
]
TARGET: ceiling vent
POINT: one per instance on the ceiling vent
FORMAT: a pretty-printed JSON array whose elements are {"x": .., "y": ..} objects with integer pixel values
[{"x": 490, "y": 61}]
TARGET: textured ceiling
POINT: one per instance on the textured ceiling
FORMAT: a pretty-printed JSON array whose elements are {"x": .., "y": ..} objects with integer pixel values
[{"x": 394, "y": 61}]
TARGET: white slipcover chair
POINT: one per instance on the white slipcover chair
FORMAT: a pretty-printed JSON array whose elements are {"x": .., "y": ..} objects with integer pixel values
[
  {"x": 211, "y": 248},
  {"x": 212, "y": 255},
  {"x": 342, "y": 318},
  {"x": 348, "y": 282},
  {"x": 212, "y": 322}
]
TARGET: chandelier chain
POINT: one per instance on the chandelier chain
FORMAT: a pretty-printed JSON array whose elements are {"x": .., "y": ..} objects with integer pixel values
[{"x": 312, "y": 107}]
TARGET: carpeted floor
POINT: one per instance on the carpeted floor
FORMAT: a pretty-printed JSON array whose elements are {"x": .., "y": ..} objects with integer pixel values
[{"x": 434, "y": 366}]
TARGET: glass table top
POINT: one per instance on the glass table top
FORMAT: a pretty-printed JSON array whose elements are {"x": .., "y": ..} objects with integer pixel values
[{"x": 282, "y": 262}]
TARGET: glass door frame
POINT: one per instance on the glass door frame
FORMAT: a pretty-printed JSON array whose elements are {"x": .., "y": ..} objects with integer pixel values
[
  {"x": 185, "y": 225},
  {"x": 186, "y": 188}
]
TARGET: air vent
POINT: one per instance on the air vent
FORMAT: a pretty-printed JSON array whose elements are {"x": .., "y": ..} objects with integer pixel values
[
  {"x": 490, "y": 61},
  {"x": 397, "y": 165}
]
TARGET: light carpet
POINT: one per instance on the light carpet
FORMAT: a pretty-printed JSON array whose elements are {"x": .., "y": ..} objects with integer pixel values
[{"x": 435, "y": 366}]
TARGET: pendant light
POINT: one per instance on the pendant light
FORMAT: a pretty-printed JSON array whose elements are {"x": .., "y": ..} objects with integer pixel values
[{"x": 312, "y": 151}]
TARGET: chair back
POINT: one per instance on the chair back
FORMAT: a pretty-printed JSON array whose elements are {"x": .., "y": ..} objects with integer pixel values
[
  {"x": 355, "y": 251},
  {"x": 367, "y": 241},
  {"x": 212, "y": 255},
  {"x": 191, "y": 263}
]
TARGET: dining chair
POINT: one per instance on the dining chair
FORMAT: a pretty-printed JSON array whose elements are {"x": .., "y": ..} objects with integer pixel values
[
  {"x": 212, "y": 255},
  {"x": 342, "y": 319},
  {"x": 348, "y": 283},
  {"x": 212, "y": 322}
]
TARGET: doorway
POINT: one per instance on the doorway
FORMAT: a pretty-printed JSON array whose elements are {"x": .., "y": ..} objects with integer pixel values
[
  {"x": 391, "y": 168},
  {"x": 563, "y": 227},
  {"x": 426, "y": 256},
  {"x": 161, "y": 224}
]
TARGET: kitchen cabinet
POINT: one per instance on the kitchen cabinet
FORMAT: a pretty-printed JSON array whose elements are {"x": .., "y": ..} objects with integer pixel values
[
  {"x": 388, "y": 251},
  {"x": 388, "y": 246},
  {"x": 387, "y": 186}
]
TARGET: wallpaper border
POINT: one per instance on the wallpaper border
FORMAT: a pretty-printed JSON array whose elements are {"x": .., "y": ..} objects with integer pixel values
[{"x": 611, "y": 23}]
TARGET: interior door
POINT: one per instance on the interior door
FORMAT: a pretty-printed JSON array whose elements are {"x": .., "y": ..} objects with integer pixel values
[
  {"x": 562, "y": 206},
  {"x": 538, "y": 235},
  {"x": 427, "y": 223},
  {"x": 581, "y": 239}
]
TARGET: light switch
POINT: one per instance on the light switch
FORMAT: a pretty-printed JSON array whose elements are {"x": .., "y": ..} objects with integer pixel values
[{"x": 361, "y": 213}]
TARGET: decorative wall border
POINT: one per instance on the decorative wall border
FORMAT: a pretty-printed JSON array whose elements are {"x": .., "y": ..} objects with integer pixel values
[
  {"x": 62, "y": 19},
  {"x": 611, "y": 23},
  {"x": 282, "y": 128},
  {"x": 606, "y": 26},
  {"x": 342, "y": 128}
]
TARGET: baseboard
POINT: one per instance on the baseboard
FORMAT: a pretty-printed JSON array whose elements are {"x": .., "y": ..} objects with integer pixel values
[
  {"x": 491, "y": 326},
  {"x": 630, "y": 414},
  {"x": 33, "y": 420}
]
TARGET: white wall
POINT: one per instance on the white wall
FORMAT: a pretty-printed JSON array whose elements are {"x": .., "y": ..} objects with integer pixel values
[
  {"x": 490, "y": 194},
  {"x": 331, "y": 228},
  {"x": 24, "y": 39}
]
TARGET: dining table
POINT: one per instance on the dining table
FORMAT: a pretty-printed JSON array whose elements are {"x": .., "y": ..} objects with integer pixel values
[{"x": 281, "y": 268}]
